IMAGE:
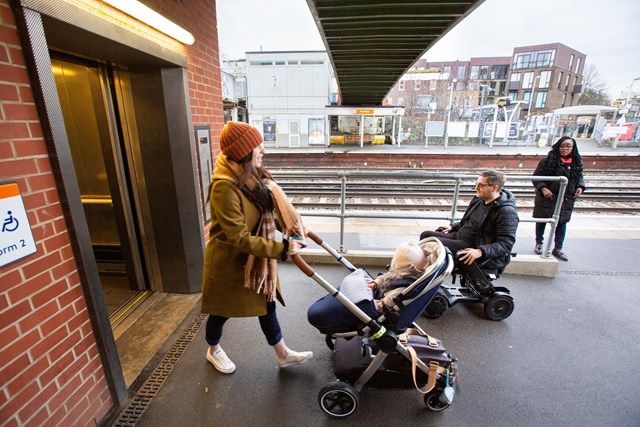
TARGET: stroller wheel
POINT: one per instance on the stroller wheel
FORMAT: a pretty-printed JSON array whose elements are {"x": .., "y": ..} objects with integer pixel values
[
  {"x": 436, "y": 308},
  {"x": 433, "y": 401},
  {"x": 499, "y": 307},
  {"x": 338, "y": 399}
]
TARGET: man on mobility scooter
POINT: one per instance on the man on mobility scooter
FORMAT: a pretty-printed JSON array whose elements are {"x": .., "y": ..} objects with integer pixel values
[{"x": 486, "y": 233}]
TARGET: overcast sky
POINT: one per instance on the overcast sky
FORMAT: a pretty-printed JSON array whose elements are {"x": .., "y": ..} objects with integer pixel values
[{"x": 607, "y": 31}]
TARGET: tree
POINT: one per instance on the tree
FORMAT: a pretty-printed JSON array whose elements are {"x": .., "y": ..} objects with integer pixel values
[{"x": 594, "y": 88}]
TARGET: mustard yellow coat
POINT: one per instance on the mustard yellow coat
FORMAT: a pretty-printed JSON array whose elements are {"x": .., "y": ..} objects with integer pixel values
[{"x": 234, "y": 219}]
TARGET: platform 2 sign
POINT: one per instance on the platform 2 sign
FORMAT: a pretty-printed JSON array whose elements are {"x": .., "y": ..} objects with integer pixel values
[{"x": 16, "y": 239}]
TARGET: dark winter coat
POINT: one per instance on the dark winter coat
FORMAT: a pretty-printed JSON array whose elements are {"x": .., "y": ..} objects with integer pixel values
[
  {"x": 552, "y": 166},
  {"x": 234, "y": 220},
  {"x": 497, "y": 233}
]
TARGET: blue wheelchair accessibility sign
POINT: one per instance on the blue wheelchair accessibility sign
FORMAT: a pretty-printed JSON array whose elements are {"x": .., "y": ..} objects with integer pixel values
[{"x": 16, "y": 239}]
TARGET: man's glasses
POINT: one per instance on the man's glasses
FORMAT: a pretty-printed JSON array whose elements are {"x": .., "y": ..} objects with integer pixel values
[{"x": 480, "y": 184}]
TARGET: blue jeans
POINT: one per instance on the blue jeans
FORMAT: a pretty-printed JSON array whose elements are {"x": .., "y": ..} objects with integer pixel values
[
  {"x": 561, "y": 232},
  {"x": 268, "y": 323}
]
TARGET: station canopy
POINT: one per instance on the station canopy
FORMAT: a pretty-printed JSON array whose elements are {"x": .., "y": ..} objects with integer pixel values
[{"x": 372, "y": 43}]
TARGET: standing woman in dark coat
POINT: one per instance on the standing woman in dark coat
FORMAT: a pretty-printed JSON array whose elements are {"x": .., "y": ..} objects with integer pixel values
[
  {"x": 562, "y": 160},
  {"x": 240, "y": 276}
]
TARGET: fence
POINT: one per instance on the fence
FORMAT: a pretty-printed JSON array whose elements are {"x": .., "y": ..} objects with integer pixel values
[{"x": 457, "y": 182}]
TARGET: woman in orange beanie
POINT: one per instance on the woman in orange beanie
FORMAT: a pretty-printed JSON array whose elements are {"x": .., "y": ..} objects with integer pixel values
[{"x": 240, "y": 277}]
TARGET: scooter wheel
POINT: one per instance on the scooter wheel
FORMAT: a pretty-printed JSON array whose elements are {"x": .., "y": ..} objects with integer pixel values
[
  {"x": 436, "y": 308},
  {"x": 338, "y": 399},
  {"x": 499, "y": 307}
]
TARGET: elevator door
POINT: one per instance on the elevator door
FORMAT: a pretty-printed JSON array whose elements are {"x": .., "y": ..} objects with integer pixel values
[{"x": 94, "y": 131}]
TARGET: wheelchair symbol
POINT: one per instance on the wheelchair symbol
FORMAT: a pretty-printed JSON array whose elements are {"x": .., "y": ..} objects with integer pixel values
[{"x": 10, "y": 223}]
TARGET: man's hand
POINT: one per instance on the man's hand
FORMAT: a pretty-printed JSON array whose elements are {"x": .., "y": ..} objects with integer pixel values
[
  {"x": 469, "y": 255},
  {"x": 444, "y": 229},
  {"x": 578, "y": 192}
]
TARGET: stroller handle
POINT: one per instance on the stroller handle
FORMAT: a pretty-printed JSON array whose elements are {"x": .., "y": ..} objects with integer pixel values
[
  {"x": 302, "y": 265},
  {"x": 313, "y": 236}
]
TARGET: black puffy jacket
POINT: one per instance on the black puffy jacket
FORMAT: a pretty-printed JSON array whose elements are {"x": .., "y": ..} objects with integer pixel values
[{"x": 497, "y": 233}]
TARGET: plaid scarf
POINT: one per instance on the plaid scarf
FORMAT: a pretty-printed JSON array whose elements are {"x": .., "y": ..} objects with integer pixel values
[{"x": 261, "y": 274}]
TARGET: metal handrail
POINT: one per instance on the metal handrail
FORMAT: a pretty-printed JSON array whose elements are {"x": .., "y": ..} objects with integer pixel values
[{"x": 458, "y": 179}]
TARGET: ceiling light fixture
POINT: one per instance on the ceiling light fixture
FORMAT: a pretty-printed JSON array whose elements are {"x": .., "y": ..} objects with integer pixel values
[{"x": 152, "y": 18}]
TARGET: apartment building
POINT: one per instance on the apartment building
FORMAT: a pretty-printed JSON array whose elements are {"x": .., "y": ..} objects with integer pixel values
[{"x": 550, "y": 73}]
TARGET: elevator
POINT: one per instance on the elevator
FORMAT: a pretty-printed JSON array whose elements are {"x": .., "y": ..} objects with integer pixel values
[{"x": 94, "y": 99}]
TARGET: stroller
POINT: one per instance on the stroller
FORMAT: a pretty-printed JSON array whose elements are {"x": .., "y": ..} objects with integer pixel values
[{"x": 390, "y": 352}]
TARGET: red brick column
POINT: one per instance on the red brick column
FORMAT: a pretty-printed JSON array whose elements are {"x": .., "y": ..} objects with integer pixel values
[{"x": 50, "y": 370}]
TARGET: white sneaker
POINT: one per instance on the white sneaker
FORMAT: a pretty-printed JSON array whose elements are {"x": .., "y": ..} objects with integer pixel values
[
  {"x": 221, "y": 361},
  {"x": 294, "y": 357}
]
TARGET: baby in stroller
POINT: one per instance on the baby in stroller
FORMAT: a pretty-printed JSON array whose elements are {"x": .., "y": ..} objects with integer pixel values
[{"x": 329, "y": 316}]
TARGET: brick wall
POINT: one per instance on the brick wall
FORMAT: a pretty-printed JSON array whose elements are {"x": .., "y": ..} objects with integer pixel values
[
  {"x": 205, "y": 82},
  {"x": 403, "y": 160},
  {"x": 50, "y": 370}
]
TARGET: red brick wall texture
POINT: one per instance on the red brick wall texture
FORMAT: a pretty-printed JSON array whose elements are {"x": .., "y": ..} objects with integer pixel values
[{"x": 50, "y": 369}]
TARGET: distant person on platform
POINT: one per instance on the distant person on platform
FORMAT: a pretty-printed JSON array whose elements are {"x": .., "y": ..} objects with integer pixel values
[
  {"x": 487, "y": 230},
  {"x": 562, "y": 160}
]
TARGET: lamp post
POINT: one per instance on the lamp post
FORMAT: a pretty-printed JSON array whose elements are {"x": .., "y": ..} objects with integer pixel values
[
  {"x": 275, "y": 103},
  {"x": 446, "y": 124},
  {"x": 483, "y": 88},
  {"x": 531, "y": 106}
]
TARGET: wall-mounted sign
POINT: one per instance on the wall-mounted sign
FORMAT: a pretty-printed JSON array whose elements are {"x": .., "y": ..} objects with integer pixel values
[
  {"x": 359, "y": 111},
  {"x": 203, "y": 141},
  {"x": 16, "y": 239}
]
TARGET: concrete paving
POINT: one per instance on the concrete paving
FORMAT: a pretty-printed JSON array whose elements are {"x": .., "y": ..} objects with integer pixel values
[{"x": 567, "y": 356}]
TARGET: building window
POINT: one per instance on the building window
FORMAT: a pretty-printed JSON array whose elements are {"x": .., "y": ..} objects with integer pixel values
[
  {"x": 474, "y": 72},
  {"x": 577, "y": 65},
  {"x": 446, "y": 70},
  {"x": 417, "y": 85},
  {"x": 310, "y": 62},
  {"x": 455, "y": 101},
  {"x": 541, "y": 99},
  {"x": 570, "y": 62},
  {"x": 433, "y": 84},
  {"x": 575, "y": 81},
  {"x": 472, "y": 85},
  {"x": 280, "y": 63},
  {"x": 401, "y": 85},
  {"x": 526, "y": 96},
  {"x": 564, "y": 99},
  {"x": 513, "y": 95},
  {"x": 515, "y": 77},
  {"x": 460, "y": 86},
  {"x": 483, "y": 73},
  {"x": 543, "y": 58},
  {"x": 503, "y": 88},
  {"x": 545, "y": 76},
  {"x": 467, "y": 101},
  {"x": 499, "y": 72},
  {"x": 461, "y": 70},
  {"x": 566, "y": 82},
  {"x": 559, "y": 80},
  {"x": 527, "y": 81}
]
